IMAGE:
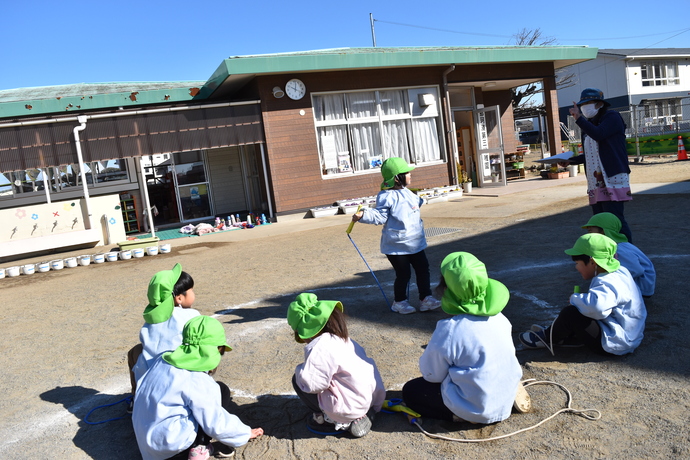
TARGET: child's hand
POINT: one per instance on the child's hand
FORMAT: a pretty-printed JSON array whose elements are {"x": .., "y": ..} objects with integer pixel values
[
  {"x": 356, "y": 216},
  {"x": 256, "y": 432}
]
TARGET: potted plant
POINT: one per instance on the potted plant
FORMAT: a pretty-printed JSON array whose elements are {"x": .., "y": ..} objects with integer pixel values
[
  {"x": 557, "y": 173},
  {"x": 466, "y": 182}
]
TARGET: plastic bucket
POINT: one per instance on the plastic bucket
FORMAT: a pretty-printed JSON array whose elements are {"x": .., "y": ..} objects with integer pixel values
[
  {"x": 138, "y": 253},
  {"x": 13, "y": 271},
  {"x": 165, "y": 248},
  {"x": 43, "y": 267},
  {"x": 28, "y": 269},
  {"x": 84, "y": 260},
  {"x": 111, "y": 256},
  {"x": 2, "y": 273},
  {"x": 152, "y": 250},
  {"x": 57, "y": 264},
  {"x": 125, "y": 255},
  {"x": 98, "y": 258},
  {"x": 71, "y": 262}
]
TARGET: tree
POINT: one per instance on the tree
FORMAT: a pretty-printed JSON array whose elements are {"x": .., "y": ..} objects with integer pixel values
[{"x": 523, "y": 104}]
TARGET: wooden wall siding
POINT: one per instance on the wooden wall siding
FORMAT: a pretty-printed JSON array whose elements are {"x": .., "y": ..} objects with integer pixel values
[{"x": 227, "y": 185}]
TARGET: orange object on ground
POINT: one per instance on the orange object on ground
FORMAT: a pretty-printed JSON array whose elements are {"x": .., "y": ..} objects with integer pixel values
[{"x": 682, "y": 154}]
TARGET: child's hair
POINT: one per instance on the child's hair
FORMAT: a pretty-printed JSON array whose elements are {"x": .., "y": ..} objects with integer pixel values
[
  {"x": 401, "y": 179},
  {"x": 583, "y": 257},
  {"x": 335, "y": 325},
  {"x": 184, "y": 284}
]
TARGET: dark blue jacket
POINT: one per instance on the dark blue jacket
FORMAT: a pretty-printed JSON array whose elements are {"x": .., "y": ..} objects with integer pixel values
[{"x": 608, "y": 129}]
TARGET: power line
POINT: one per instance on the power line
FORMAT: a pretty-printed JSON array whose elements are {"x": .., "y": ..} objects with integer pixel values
[{"x": 676, "y": 32}]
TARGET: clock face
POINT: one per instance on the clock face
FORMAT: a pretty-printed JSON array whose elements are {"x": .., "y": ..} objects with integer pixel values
[{"x": 295, "y": 89}]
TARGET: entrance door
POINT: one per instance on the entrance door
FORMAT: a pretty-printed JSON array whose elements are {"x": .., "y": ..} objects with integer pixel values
[
  {"x": 250, "y": 158},
  {"x": 489, "y": 146}
]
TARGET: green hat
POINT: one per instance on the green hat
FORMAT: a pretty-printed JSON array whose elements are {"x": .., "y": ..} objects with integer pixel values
[
  {"x": 610, "y": 224},
  {"x": 160, "y": 294},
  {"x": 599, "y": 247},
  {"x": 307, "y": 315},
  {"x": 201, "y": 337},
  {"x": 469, "y": 289},
  {"x": 391, "y": 168}
]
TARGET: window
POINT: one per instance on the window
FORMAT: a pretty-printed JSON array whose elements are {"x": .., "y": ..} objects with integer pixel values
[
  {"x": 357, "y": 131},
  {"x": 659, "y": 73},
  {"x": 662, "y": 111},
  {"x": 61, "y": 178}
]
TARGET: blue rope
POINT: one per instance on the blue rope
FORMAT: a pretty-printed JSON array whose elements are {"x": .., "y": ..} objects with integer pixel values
[
  {"x": 86, "y": 419},
  {"x": 372, "y": 271}
]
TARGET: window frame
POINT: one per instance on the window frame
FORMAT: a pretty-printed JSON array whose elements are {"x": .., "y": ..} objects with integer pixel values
[
  {"x": 407, "y": 117},
  {"x": 662, "y": 68}
]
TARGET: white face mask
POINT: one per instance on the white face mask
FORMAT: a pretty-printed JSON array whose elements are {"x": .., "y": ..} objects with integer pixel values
[{"x": 589, "y": 110}]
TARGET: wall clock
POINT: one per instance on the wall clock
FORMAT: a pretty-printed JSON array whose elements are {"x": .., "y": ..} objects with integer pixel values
[{"x": 295, "y": 89}]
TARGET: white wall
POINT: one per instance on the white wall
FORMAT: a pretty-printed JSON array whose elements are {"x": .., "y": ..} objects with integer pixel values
[
  {"x": 605, "y": 72},
  {"x": 636, "y": 88}
]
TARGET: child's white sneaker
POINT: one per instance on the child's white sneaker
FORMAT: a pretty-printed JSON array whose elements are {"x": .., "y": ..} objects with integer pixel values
[
  {"x": 403, "y": 307},
  {"x": 429, "y": 303}
]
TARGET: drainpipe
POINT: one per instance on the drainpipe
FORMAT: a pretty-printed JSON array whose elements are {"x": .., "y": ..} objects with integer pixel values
[
  {"x": 143, "y": 185},
  {"x": 82, "y": 119},
  {"x": 450, "y": 135},
  {"x": 268, "y": 190}
]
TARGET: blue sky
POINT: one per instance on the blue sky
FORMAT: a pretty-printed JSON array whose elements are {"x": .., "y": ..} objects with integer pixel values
[{"x": 51, "y": 42}]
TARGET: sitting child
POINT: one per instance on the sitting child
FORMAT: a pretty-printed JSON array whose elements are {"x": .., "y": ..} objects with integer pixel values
[
  {"x": 469, "y": 369},
  {"x": 179, "y": 408},
  {"x": 171, "y": 296},
  {"x": 609, "y": 318},
  {"x": 336, "y": 381},
  {"x": 637, "y": 263}
]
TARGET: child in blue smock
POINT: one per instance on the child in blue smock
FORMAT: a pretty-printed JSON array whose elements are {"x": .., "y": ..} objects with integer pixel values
[
  {"x": 629, "y": 255},
  {"x": 469, "y": 369},
  {"x": 171, "y": 296},
  {"x": 402, "y": 239},
  {"x": 179, "y": 408},
  {"x": 610, "y": 318}
]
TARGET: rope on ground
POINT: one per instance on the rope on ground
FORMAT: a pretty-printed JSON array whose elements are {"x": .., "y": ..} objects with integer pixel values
[
  {"x": 589, "y": 414},
  {"x": 125, "y": 400}
]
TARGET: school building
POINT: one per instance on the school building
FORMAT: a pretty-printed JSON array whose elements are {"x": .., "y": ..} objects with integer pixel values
[{"x": 275, "y": 134}]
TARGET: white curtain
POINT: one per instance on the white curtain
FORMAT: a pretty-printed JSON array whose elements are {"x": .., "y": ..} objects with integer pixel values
[
  {"x": 393, "y": 102},
  {"x": 361, "y": 105},
  {"x": 366, "y": 142},
  {"x": 425, "y": 136},
  {"x": 333, "y": 148},
  {"x": 395, "y": 140},
  {"x": 329, "y": 107}
]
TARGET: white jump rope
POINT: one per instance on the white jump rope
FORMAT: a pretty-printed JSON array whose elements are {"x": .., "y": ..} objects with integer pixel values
[{"x": 589, "y": 414}]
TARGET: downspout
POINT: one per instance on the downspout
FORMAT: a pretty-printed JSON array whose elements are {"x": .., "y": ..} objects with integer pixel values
[
  {"x": 143, "y": 185},
  {"x": 450, "y": 135},
  {"x": 268, "y": 190},
  {"x": 82, "y": 120}
]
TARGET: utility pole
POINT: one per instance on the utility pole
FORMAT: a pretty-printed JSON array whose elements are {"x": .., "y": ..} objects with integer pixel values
[{"x": 373, "y": 34}]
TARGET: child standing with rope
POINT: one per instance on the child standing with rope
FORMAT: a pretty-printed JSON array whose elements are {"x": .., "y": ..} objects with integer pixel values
[
  {"x": 337, "y": 381},
  {"x": 610, "y": 318},
  {"x": 402, "y": 239},
  {"x": 469, "y": 369}
]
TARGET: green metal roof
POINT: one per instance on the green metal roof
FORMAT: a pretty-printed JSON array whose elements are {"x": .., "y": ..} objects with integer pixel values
[
  {"x": 368, "y": 58},
  {"x": 89, "y": 96}
]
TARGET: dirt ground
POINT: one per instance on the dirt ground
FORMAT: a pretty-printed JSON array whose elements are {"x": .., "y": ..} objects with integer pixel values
[{"x": 66, "y": 333}]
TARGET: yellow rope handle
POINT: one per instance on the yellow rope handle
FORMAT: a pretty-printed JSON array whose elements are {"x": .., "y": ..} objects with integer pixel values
[{"x": 352, "y": 223}]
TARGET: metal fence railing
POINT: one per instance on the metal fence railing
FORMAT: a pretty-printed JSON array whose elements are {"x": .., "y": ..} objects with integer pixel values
[{"x": 652, "y": 128}]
